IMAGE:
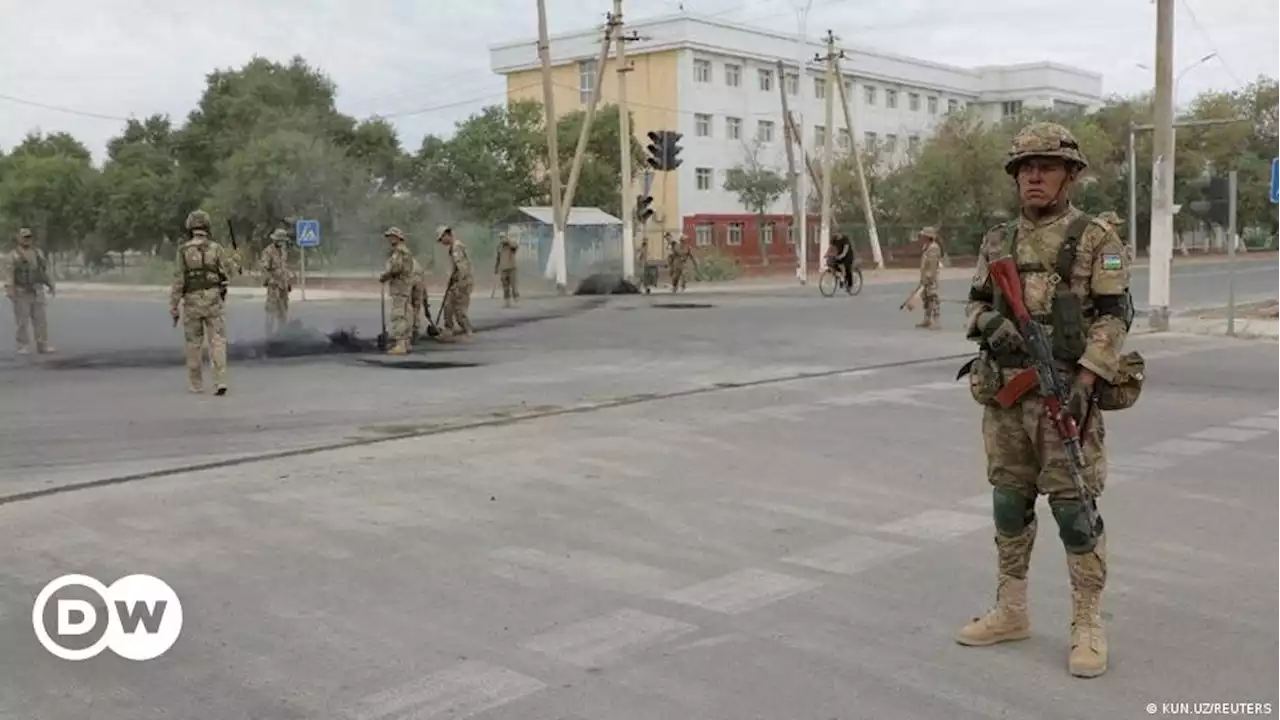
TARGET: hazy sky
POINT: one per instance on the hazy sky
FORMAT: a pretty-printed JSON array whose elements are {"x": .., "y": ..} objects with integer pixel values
[{"x": 424, "y": 63}]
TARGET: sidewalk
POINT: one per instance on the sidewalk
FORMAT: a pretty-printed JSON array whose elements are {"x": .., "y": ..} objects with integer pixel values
[{"x": 1252, "y": 320}]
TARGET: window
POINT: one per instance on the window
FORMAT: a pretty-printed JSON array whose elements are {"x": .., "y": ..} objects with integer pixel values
[
  {"x": 735, "y": 234},
  {"x": 702, "y": 71},
  {"x": 791, "y": 235},
  {"x": 764, "y": 131},
  {"x": 933, "y": 105},
  {"x": 844, "y": 138},
  {"x": 891, "y": 143},
  {"x": 703, "y": 176},
  {"x": 733, "y": 75},
  {"x": 952, "y": 104},
  {"x": 702, "y": 125},
  {"x": 891, "y": 98},
  {"x": 819, "y": 88},
  {"x": 913, "y": 102},
  {"x": 870, "y": 140},
  {"x": 733, "y": 128},
  {"x": 766, "y": 80},
  {"x": 766, "y": 234},
  {"x": 819, "y": 136},
  {"x": 869, "y": 94},
  {"x": 848, "y": 88},
  {"x": 913, "y": 144},
  {"x": 793, "y": 84},
  {"x": 586, "y": 80},
  {"x": 1010, "y": 108},
  {"x": 702, "y": 235}
]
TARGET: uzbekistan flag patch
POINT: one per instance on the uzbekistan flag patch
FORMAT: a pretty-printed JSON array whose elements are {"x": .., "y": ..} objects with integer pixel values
[{"x": 1111, "y": 262}]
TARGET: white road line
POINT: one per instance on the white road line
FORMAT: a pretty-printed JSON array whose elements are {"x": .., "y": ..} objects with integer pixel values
[
  {"x": 1228, "y": 434},
  {"x": 591, "y": 643},
  {"x": 1261, "y": 423},
  {"x": 937, "y": 524},
  {"x": 851, "y": 555},
  {"x": 1180, "y": 446},
  {"x": 586, "y": 568},
  {"x": 741, "y": 591},
  {"x": 1140, "y": 461},
  {"x": 462, "y": 691}
]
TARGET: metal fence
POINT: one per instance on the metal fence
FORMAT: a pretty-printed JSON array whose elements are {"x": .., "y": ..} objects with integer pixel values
[{"x": 588, "y": 248}]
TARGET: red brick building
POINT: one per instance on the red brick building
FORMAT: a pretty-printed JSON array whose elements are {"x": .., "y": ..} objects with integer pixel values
[{"x": 738, "y": 236}]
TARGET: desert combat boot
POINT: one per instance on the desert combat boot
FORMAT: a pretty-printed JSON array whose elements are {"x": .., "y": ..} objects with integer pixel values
[
  {"x": 1009, "y": 619},
  {"x": 1088, "y": 571}
]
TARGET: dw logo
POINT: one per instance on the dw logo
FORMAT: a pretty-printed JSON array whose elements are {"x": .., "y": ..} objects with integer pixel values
[{"x": 138, "y": 618}]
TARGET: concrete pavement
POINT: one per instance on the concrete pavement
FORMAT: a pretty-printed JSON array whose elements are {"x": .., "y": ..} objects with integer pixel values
[{"x": 771, "y": 507}]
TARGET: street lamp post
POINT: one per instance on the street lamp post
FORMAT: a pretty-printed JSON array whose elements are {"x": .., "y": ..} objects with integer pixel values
[{"x": 802, "y": 240}]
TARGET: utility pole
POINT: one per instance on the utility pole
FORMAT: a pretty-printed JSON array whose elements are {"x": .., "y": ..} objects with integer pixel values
[
  {"x": 556, "y": 260},
  {"x": 1132, "y": 160},
  {"x": 624, "y": 137},
  {"x": 802, "y": 233},
  {"x": 793, "y": 175},
  {"x": 581, "y": 150},
  {"x": 867, "y": 211},
  {"x": 1161, "y": 250},
  {"x": 828, "y": 141},
  {"x": 1231, "y": 253}
]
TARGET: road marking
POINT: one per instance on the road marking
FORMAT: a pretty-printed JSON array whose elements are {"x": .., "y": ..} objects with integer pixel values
[
  {"x": 851, "y": 555},
  {"x": 741, "y": 591},
  {"x": 937, "y": 524},
  {"x": 584, "y": 568},
  {"x": 591, "y": 643},
  {"x": 1180, "y": 446},
  {"x": 1228, "y": 434},
  {"x": 1261, "y": 423},
  {"x": 1141, "y": 461},
  {"x": 462, "y": 691}
]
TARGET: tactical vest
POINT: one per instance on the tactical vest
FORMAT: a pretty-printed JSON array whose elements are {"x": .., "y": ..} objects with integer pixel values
[
  {"x": 204, "y": 277},
  {"x": 1066, "y": 318},
  {"x": 28, "y": 275}
]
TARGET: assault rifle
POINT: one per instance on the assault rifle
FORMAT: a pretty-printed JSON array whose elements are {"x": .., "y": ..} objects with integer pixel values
[{"x": 1053, "y": 388}]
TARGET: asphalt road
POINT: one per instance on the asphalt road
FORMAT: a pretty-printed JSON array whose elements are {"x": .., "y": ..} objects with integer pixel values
[{"x": 772, "y": 507}]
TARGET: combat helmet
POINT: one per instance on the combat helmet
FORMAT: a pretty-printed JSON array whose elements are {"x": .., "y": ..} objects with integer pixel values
[
  {"x": 1044, "y": 139},
  {"x": 279, "y": 235},
  {"x": 198, "y": 220}
]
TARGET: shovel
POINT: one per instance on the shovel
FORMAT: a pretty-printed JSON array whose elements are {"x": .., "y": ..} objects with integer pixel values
[{"x": 384, "y": 341}]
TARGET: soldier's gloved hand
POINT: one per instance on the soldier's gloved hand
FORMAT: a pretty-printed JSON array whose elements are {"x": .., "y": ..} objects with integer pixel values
[
  {"x": 1079, "y": 400},
  {"x": 999, "y": 333}
]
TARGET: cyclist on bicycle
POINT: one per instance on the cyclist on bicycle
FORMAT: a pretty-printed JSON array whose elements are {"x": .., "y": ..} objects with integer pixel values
[{"x": 841, "y": 259}]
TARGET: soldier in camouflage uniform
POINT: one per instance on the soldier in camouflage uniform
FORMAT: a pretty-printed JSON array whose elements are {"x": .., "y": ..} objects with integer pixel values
[
  {"x": 1075, "y": 277},
  {"x": 457, "y": 299},
  {"x": 400, "y": 278},
  {"x": 676, "y": 261},
  {"x": 504, "y": 266},
  {"x": 930, "y": 262},
  {"x": 199, "y": 286},
  {"x": 27, "y": 276},
  {"x": 277, "y": 279},
  {"x": 419, "y": 306}
]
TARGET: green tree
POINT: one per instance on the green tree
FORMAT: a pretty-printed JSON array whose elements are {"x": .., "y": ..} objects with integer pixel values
[
  {"x": 758, "y": 187},
  {"x": 599, "y": 184},
  {"x": 145, "y": 194},
  {"x": 50, "y": 186}
]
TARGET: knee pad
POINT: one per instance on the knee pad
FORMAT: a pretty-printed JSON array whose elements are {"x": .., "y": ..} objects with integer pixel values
[
  {"x": 1013, "y": 511},
  {"x": 1073, "y": 526}
]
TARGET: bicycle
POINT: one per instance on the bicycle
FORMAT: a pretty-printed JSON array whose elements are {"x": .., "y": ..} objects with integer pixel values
[{"x": 832, "y": 280}]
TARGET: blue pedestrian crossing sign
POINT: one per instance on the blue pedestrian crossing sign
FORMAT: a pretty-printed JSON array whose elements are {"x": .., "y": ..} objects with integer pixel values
[
  {"x": 308, "y": 232},
  {"x": 1275, "y": 180}
]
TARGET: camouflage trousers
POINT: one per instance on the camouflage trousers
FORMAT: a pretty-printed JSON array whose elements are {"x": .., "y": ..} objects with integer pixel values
[
  {"x": 457, "y": 303},
  {"x": 203, "y": 320},
  {"x": 1025, "y": 455},
  {"x": 510, "y": 289},
  {"x": 929, "y": 298},
  {"x": 417, "y": 301},
  {"x": 277, "y": 308},
  {"x": 30, "y": 319},
  {"x": 400, "y": 317},
  {"x": 677, "y": 279}
]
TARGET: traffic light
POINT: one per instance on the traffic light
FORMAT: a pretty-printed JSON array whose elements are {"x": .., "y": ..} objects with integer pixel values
[
  {"x": 644, "y": 209},
  {"x": 657, "y": 149},
  {"x": 671, "y": 154},
  {"x": 1213, "y": 203}
]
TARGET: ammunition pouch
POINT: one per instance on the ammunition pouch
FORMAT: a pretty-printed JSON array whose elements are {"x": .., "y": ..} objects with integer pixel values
[
  {"x": 1127, "y": 388},
  {"x": 985, "y": 379}
]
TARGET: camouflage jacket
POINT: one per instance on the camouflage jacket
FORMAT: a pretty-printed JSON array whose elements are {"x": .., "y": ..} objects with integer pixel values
[
  {"x": 506, "y": 259},
  {"x": 26, "y": 270},
  {"x": 399, "y": 273},
  {"x": 462, "y": 273},
  {"x": 275, "y": 271},
  {"x": 202, "y": 269},
  {"x": 1099, "y": 277},
  {"x": 930, "y": 261}
]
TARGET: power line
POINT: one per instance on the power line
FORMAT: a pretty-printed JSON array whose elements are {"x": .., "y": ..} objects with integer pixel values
[
  {"x": 1212, "y": 46},
  {"x": 56, "y": 108}
]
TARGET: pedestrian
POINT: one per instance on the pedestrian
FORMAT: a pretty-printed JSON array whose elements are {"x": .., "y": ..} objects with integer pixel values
[
  {"x": 1075, "y": 279},
  {"x": 277, "y": 279},
  {"x": 200, "y": 279},
  {"x": 505, "y": 267},
  {"x": 399, "y": 277},
  {"x": 26, "y": 278},
  {"x": 930, "y": 262},
  {"x": 457, "y": 299}
]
